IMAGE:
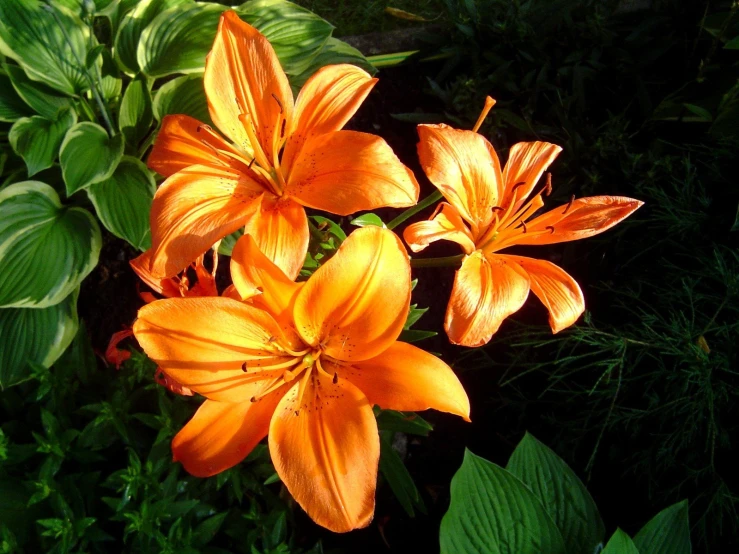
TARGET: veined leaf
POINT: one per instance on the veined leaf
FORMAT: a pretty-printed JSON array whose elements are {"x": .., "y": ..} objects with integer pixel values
[
  {"x": 123, "y": 202},
  {"x": 296, "y": 34},
  {"x": 43, "y": 100},
  {"x": 367, "y": 219},
  {"x": 229, "y": 241},
  {"x": 135, "y": 116},
  {"x": 37, "y": 139},
  {"x": 178, "y": 39},
  {"x": 36, "y": 37},
  {"x": 132, "y": 25},
  {"x": 46, "y": 249},
  {"x": 561, "y": 493},
  {"x": 397, "y": 476},
  {"x": 88, "y": 155},
  {"x": 666, "y": 533},
  {"x": 493, "y": 512},
  {"x": 12, "y": 107},
  {"x": 620, "y": 543},
  {"x": 183, "y": 95},
  {"x": 334, "y": 51},
  {"x": 40, "y": 336}
]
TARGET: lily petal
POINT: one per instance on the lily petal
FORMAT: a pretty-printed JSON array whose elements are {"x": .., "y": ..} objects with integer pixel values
[
  {"x": 258, "y": 279},
  {"x": 558, "y": 291},
  {"x": 244, "y": 76},
  {"x": 165, "y": 287},
  {"x": 326, "y": 449},
  {"x": 487, "y": 289},
  {"x": 203, "y": 343},
  {"x": 355, "y": 305},
  {"x": 221, "y": 434},
  {"x": 464, "y": 167},
  {"x": 584, "y": 218},
  {"x": 444, "y": 224},
  {"x": 347, "y": 171},
  {"x": 407, "y": 378},
  {"x": 280, "y": 229},
  {"x": 193, "y": 209},
  {"x": 526, "y": 163},
  {"x": 183, "y": 141},
  {"x": 326, "y": 102}
]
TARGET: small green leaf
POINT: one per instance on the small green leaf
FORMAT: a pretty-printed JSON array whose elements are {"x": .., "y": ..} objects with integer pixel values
[
  {"x": 135, "y": 117},
  {"x": 93, "y": 55},
  {"x": 46, "y": 249},
  {"x": 666, "y": 533},
  {"x": 415, "y": 335},
  {"x": 702, "y": 113},
  {"x": 88, "y": 155},
  {"x": 400, "y": 481},
  {"x": 620, "y": 543},
  {"x": 207, "y": 530},
  {"x": 493, "y": 512},
  {"x": 228, "y": 242},
  {"x": 732, "y": 44},
  {"x": 410, "y": 423},
  {"x": 366, "y": 220},
  {"x": 37, "y": 139},
  {"x": 43, "y": 100},
  {"x": 123, "y": 202},
  {"x": 12, "y": 107},
  {"x": 326, "y": 225},
  {"x": 30, "y": 335},
  {"x": 183, "y": 95},
  {"x": 562, "y": 494},
  {"x": 414, "y": 314}
]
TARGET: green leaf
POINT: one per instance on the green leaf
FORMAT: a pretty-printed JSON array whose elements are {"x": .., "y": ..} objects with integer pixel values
[
  {"x": 493, "y": 512},
  {"x": 620, "y": 543},
  {"x": 29, "y": 335},
  {"x": 46, "y": 249},
  {"x": 183, "y": 95},
  {"x": 12, "y": 107},
  {"x": 415, "y": 335},
  {"x": 400, "y": 481},
  {"x": 296, "y": 34},
  {"x": 410, "y": 423},
  {"x": 43, "y": 100},
  {"x": 207, "y": 530},
  {"x": 135, "y": 116},
  {"x": 37, "y": 139},
  {"x": 132, "y": 24},
  {"x": 88, "y": 155},
  {"x": 123, "y": 202},
  {"x": 666, "y": 533},
  {"x": 366, "y": 220},
  {"x": 562, "y": 494},
  {"x": 93, "y": 55},
  {"x": 34, "y": 36},
  {"x": 228, "y": 242},
  {"x": 702, "y": 113},
  {"x": 732, "y": 44},
  {"x": 335, "y": 51},
  {"x": 178, "y": 40}
]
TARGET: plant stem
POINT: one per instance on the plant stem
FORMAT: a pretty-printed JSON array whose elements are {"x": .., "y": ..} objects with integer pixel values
[
  {"x": 413, "y": 210},
  {"x": 448, "y": 261},
  {"x": 315, "y": 232}
]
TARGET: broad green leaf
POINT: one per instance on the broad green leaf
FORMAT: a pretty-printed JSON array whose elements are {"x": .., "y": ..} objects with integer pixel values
[
  {"x": 123, "y": 202},
  {"x": 29, "y": 335},
  {"x": 131, "y": 26},
  {"x": 37, "y": 139},
  {"x": 49, "y": 43},
  {"x": 335, "y": 51},
  {"x": 562, "y": 494},
  {"x": 410, "y": 423},
  {"x": 365, "y": 220},
  {"x": 183, "y": 95},
  {"x": 492, "y": 512},
  {"x": 620, "y": 543},
  {"x": 666, "y": 533},
  {"x": 88, "y": 155},
  {"x": 400, "y": 481},
  {"x": 178, "y": 40},
  {"x": 296, "y": 34},
  {"x": 12, "y": 107},
  {"x": 43, "y": 100},
  {"x": 228, "y": 242},
  {"x": 135, "y": 116},
  {"x": 46, "y": 249}
]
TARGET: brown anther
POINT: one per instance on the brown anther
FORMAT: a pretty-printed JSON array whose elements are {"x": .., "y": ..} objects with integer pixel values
[
  {"x": 278, "y": 101},
  {"x": 282, "y": 129},
  {"x": 272, "y": 339},
  {"x": 523, "y": 224},
  {"x": 569, "y": 205},
  {"x": 336, "y": 378},
  {"x": 522, "y": 183},
  {"x": 548, "y": 190},
  {"x": 243, "y": 367},
  {"x": 297, "y": 412},
  {"x": 551, "y": 229},
  {"x": 253, "y": 399},
  {"x": 497, "y": 209},
  {"x": 251, "y": 163}
]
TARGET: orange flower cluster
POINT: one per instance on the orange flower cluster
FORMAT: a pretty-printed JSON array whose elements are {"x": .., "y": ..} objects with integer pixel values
[{"x": 304, "y": 362}]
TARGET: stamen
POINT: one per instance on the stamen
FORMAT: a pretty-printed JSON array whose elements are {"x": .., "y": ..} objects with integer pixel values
[
  {"x": 551, "y": 228},
  {"x": 569, "y": 205},
  {"x": 517, "y": 185},
  {"x": 278, "y": 101},
  {"x": 279, "y": 382},
  {"x": 243, "y": 367},
  {"x": 282, "y": 129},
  {"x": 496, "y": 209},
  {"x": 489, "y": 103},
  {"x": 251, "y": 163},
  {"x": 548, "y": 190},
  {"x": 215, "y": 150},
  {"x": 336, "y": 378},
  {"x": 523, "y": 224}
]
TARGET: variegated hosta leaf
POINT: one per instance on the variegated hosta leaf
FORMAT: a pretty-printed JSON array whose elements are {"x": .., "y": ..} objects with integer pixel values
[
  {"x": 30, "y": 335},
  {"x": 37, "y": 139},
  {"x": 88, "y": 155},
  {"x": 183, "y": 95},
  {"x": 12, "y": 107},
  {"x": 334, "y": 52},
  {"x": 43, "y": 100},
  {"x": 46, "y": 249}
]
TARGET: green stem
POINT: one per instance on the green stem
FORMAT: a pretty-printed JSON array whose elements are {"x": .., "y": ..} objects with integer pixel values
[
  {"x": 315, "y": 232},
  {"x": 148, "y": 142},
  {"x": 410, "y": 212},
  {"x": 448, "y": 261}
]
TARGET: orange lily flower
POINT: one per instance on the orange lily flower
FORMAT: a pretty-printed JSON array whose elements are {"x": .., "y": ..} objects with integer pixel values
[
  {"x": 178, "y": 285},
  {"x": 278, "y": 157},
  {"x": 304, "y": 363},
  {"x": 488, "y": 210}
]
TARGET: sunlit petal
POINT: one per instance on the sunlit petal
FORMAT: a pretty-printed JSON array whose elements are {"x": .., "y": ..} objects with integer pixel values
[
  {"x": 445, "y": 224},
  {"x": 526, "y": 163}
]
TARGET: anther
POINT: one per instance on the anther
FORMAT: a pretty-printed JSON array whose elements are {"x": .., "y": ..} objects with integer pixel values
[
  {"x": 251, "y": 163},
  {"x": 548, "y": 190},
  {"x": 551, "y": 229},
  {"x": 336, "y": 378},
  {"x": 204, "y": 126},
  {"x": 243, "y": 367},
  {"x": 513, "y": 190},
  {"x": 572, "y": 199},
  {"x": 253, "y": 399},
  {"x": 297, "y": 412},
  {"x": 278, "y": 101},
  {"x": 523, "y": 224},
  {"x": 497, "y": 209},
  {"x": 282, "y": 129}
]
